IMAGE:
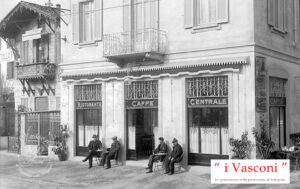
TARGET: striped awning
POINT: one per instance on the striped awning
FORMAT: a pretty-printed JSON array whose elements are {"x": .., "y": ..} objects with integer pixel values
[{"x": 161, "y": 69}]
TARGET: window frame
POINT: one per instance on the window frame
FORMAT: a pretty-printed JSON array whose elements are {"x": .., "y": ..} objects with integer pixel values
[
  {"x": 82, "y": 17},
  {"x": 275, "y": 16}
]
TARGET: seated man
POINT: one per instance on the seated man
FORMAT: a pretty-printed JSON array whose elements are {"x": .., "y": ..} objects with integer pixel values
[
  {"x": 174, "y": 157},
  {"x": 161, "y": 148},
  {"x": 113, "y": 152},
  {"x": 93, "y": 146}
]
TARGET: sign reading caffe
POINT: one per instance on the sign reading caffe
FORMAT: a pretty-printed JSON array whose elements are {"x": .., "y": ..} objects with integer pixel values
[{"x": 136, "y": 104}]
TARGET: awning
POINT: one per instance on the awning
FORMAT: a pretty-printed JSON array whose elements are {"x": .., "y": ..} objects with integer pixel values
[
  {"x": 159, "y": 70},
  {"x": 25, "y": 12}
]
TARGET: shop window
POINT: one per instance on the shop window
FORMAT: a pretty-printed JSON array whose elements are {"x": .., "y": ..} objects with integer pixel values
[
  {"x": 41, "y": 104},
  {"x": 201, "y": 14},
  {"x": 10, "y": 70},
  {"x": 277, "y": 15},
  {"x": 87, "y": 21},
  {"x": 208, "y": 129},
  {"x": 207, "y": 101}
]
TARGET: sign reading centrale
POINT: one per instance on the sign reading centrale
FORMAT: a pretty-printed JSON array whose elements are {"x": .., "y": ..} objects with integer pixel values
[
  {"x": 88, "y": 105},
  {"x": 145, "y": 103},
  {"x": 32, "y": 34},
  {"x": 195, "y": 102}
]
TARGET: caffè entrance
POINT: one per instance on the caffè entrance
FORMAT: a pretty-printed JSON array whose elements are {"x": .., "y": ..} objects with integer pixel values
[{"x": 141, "y": 118}]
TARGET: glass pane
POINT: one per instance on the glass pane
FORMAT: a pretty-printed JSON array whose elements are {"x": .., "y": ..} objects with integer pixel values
[
  {"x": 225, "y": 139},
  {"x": 274, "y": 126},
  {"x": 131, "y": 123},
  {"x": 210, "y": 140},
  {"x": 282, "y": 126},
  {"x": 79, "y": 117}
]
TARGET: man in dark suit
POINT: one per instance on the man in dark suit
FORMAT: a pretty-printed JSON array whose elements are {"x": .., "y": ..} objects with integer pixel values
[
  {"x": 161, "y": 148},
  {"x": 175, "y": 157},
  {"x": 113, "y": 152},
  {"x": 93, "y": 146}
]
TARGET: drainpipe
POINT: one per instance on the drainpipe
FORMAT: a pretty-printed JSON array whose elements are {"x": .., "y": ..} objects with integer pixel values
[{"x": 296, "y": 25}]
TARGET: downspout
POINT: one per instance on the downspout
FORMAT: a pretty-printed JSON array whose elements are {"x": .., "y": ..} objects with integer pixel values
[{"x": 296, "y": 26}]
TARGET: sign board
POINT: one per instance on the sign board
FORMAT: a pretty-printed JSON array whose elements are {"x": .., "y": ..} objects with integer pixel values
[
  {"x": 32, "y": 34},
  {"x": 277, "y": 101},
  {"x": 260, "y": 85},
  {"x": 142, "y": 103},
  {"x": 88, "y": 104},
  {"x": 212, "y": 101}
]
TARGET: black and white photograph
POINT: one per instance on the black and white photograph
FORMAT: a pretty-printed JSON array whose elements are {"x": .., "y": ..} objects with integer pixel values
[{"x": 149, "y": 94}]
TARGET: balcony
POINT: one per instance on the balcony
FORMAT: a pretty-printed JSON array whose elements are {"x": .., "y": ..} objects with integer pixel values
[
  {"x": 143, "y": 45},
  {"x": 36, "y": 71}
]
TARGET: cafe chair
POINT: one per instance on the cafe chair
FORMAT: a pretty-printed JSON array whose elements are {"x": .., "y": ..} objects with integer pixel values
[
  {"x": 98, "y": 158},
  {"x": 177, "y": 164},
  {"x": 294, "y": 160},
  {"x": 158, "y": 165}
]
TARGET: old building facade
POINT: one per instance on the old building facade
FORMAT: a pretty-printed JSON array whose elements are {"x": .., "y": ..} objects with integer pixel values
[
  {"x": 188, "y": 69},
  {"x": 32, "y": 31},
  {"x": 201, "y": 71}
]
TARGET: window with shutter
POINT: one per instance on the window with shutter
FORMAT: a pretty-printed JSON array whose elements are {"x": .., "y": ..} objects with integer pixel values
[
  {"x": 277, "y": 16},
  {"x": 10, "y": 70},
  {"x": 199, "y": 14},
  {"x": 41, "y": 104},
  {"x": 87, "y": 21}
]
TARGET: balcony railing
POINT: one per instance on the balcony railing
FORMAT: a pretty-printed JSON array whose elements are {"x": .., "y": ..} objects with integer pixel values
[
  {"x": 36, "y": 71},
  {"x": 134, "y": 44}
]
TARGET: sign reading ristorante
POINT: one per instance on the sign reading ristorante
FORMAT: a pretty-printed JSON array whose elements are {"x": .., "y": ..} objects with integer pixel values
[
  {"x": 88, "y": 104},
  {"x": 194, "y": 102},
  {"x": 143, "y": 103}
]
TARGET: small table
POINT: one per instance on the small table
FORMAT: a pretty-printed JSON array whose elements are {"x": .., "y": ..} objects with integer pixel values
[{"x": 291, "y": 155}]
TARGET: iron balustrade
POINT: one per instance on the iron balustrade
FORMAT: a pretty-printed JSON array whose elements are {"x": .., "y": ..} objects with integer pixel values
[
  {"x": 41, "y": 127},
  {"x": 39, "y": 70},
  {"x": 140, "y": 41}
]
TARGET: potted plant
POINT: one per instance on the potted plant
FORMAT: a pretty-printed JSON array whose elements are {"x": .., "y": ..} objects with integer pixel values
[
  {"x": 263, "y": 142},
  {"x": 60, "y": 141},
  {"x": 241, "y": 148},
  {"x": 295, "y": 137}
]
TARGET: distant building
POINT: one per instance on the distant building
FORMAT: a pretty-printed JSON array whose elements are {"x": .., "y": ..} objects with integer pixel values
[{"x": 33, "y": 33}]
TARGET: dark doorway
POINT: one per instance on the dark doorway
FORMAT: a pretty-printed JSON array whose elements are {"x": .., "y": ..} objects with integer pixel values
[{"x": 140, "y": 132}]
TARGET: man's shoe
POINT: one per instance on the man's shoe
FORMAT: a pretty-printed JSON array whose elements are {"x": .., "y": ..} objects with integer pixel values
[
  {"x": 167, "y": 172},
  {"x": 90, "y": 167},
  {"x": 107, "y": 168},
  {"x": 147, "y": 168},
  {"x": 170, "y": 173},
  {"x": 83, "y": 160},
  {"x": 150, "y": 171}
]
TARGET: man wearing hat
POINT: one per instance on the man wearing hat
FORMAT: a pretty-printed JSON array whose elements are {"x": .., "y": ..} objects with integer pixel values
[
  {"x": 176, "y": 156},
  {"x": 93, "y": 146},
  {"x": 113, "y": 152},
  {"x": 162, "y": 148}
]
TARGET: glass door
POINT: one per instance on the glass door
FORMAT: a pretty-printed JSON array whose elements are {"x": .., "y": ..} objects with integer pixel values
[
  {"x": 89, "y": 122},
  {"x": 278, "y": 127}
]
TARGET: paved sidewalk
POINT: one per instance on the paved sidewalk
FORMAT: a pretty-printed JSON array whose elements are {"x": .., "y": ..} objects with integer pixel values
[{"x": 70, "y": 174}]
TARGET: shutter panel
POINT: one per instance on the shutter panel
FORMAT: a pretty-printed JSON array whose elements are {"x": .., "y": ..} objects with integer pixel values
[
  {"x": 188, "y": 13},
  {"x": 154, "y": 14},
  {"x": 9, "y": 70},
  {"x": 222, "y": 11},
  {"x": 271, "y": 12},
  {"x": 22, "y": 52},
  {"x": 127, "y": 15},
  {"x": 75, "y": 22},
  {"x": 98, "y": 19},
  {"x": 285, "y": 16}
]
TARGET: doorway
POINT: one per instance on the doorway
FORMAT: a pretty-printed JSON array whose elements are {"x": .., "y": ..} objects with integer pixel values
[{"x": 141, "y": 129}]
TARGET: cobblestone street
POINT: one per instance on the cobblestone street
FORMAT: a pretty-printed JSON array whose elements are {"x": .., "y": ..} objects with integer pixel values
[{"x": 66, "y": 175}]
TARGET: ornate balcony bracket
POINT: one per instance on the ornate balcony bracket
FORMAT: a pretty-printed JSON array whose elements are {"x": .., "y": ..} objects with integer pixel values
[
  {"x": 46, "y": 87},
  {"x": 42, "y": 73},
  {"x": 27, "y": 89}
]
